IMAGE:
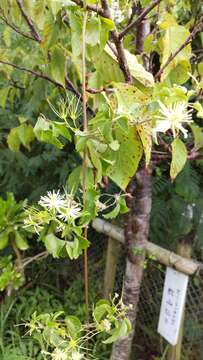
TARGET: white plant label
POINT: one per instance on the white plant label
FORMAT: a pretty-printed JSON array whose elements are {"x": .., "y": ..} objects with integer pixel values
[{"x": 172, "y": 305}]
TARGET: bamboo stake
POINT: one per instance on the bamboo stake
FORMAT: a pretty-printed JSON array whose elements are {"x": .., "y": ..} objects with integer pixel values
[{"x": 161, "y": 255}]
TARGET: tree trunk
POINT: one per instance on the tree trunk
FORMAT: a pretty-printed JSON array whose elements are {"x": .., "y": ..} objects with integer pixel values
[
  {"x": 136, "y": 234},
  {"x": 113, "y": 250}
]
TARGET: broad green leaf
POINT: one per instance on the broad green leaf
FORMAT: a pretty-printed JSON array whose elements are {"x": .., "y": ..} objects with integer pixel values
[
  {"x": 21, "y": 242},
  {"x": 197, "y": 106},
  {"x": 61, "y": 129},
  {"x": 48, "y": 131},
  {"x": 74, "y": 326},
  {"x": 4, "y": 237},
  {"x": 3, "y": 96},
  {"x": 179, "y": 157},
  {"x": 113, "y": 213},
  {"x": 22, "y": 134},
  {"x": 198, "y": 136},
  {"x": 120, "y": 332},
  {"x": 74, "y": 179},
  {"x": 100, "y": 311},
  {"x": 94, "y": 156},
  {"x": 54, "y": 245},
  {"x": 92, "y": 31},
  {"x": 126, "y": 159},
  {"x": 58, "y": 62},
  {"x": 108, "y": 68},
  {"x": 13, "y": 140},
  {"x": 26, "y": 134}
]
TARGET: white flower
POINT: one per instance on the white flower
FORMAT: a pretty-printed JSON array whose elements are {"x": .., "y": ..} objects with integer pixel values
[
  {"x": 53, "y": 200},
  {"x": 106, "y": 324},
  {"x": 76, "y": 355},
  {"x": 172, "y": 117},
  {"x": 59, "y": 355},
  {"x": 70, "y": 211}
]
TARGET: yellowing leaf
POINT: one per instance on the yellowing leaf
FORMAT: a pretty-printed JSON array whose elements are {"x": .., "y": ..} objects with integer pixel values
[
  {"x": 137, "y": 70},
  {"x": 144, "y": 130},
  {"x": 173, "y": 39},
  {"x": 179, "y": 157}
]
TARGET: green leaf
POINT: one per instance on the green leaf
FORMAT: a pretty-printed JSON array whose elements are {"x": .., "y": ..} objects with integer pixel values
[
  {"x": 94, "y": 156},
  {"x": 121, "y": 331},
  {"x": 3, "y": 96},
  {"x": 60, "y": 129},
  {"x": 54, "y": 245},
  {"x": 74, "y": 326},
  {"x": 21, "y": 242},
  {"x": 101, "y": 310},
  {"x": 58, "y": 61},
  {"x": 197, "y": 106},
  {"x": 4, "y": 237},
  {"x": 74, "y": 179},
  {"x": 13, "y": 140},
  {"x": 26, "y": 134},
  {"x": 113, "y": 213},
  {"x": 198, "y": 136},
  {"x": 22, "y": 134},
  {"x": 179, "y": 157},
  {"x": 92, "y": 31},
  {"x": 126, "y": 159},
  {"x": 47, "y": 131}
]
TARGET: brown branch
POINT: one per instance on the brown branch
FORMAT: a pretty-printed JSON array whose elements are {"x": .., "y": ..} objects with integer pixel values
[
  {"x": 41, "y": 75},
  {"x": 195, "y": 30},
  {"x": 29, "y": 21},
  {"x": 141, "y": 17},
  {"x": 15, "y": 28},
  {"x": 93, "y": 8},
  {"x": 118, "y": 44}
]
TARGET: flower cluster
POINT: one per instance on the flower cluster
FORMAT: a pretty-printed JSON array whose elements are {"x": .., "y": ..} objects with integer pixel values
[
  {"x": 172, "y": 117},
  {"x": 58, "y": 207},
  {"x": 63, "y": 205}
]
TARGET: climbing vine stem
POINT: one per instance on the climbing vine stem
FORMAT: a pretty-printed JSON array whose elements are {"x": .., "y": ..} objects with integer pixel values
[{"x": 84, "y": 167}]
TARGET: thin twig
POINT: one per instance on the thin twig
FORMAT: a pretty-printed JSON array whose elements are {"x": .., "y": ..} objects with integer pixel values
[
  {"x": 142, "y": 15},
  {"x": 93, "y": 8},
  {"x": 39, "y": 256},
  {"x": 29, "y": 21},
  {"x": 195, "y": 30},
  {"x": 41, "y": 75},
  {"x": 15, "y": 28}
]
